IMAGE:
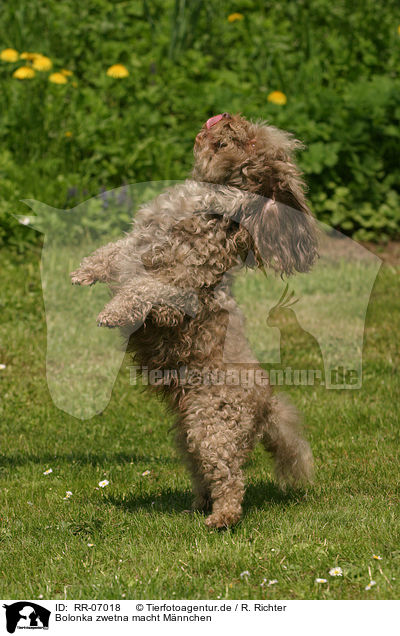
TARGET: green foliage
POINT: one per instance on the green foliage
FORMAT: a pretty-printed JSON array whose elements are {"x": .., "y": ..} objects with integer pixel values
[
  {"x": 11, "y": 231},
  {"x": 337, "y": 63}
]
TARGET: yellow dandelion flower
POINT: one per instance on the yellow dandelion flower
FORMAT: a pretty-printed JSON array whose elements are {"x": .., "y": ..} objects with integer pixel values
[
  {"x": 68, "y": 133},
  {"x": 9, "y": 55},
  {"x": 398, "y": 29},
  {"x": 117, "y": 71},
  {"x": 29, "y": 56},
  {"x": 66, "y": 72},
  {"x": 42, "y": 63},
  {"x": 277, "y": 97},
  {"x": 74, "y": 84},
  {"x": 58, "y": 78},
  {"x": 24, "y": 72},
  {"x": 233, "y": 17}
]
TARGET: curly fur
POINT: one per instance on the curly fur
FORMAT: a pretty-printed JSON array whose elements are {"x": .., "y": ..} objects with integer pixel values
[{"x": 169, "y": 279}]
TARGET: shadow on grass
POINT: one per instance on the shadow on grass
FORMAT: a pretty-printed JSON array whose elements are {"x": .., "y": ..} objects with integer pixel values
[
  {"x": 167, "y": 501},
  {"x": 258, "y": 495},
  {"x": 77, "y": 458}
]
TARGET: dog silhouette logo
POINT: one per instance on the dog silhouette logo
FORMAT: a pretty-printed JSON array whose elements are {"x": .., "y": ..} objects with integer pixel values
[
  {"x": 26, "y": 615},
  {"x": 83, "y": 362}
]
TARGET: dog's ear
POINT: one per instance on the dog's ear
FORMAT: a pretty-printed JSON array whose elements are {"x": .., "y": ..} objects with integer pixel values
[{"x": 284, "y": 238}]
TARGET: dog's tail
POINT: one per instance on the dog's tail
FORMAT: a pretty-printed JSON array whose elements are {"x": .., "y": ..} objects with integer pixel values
[{"x": 282, "y": 437}]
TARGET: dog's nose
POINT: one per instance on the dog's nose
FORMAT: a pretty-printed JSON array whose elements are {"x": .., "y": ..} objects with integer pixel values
[{"x": 214, "y": 120}]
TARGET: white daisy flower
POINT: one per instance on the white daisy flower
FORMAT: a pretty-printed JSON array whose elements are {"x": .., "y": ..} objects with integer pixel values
[
  {"x": 103, "y": 483},
  {"x": 321, "y": 580},
  {"x": 3, "y": 366},
  {"x": 272, "y": 582},
  {"x": 370, "y": 584},
  {"x": 336, "y": 571},
  {"x": 245, "y": 573},
  {"x": 90, "y": 545},
  {"x": 48, "y": 471},
  {"x": 377, "y": 557},
  {"x": 24, "y": 220},
  {"x": 145, "y": 473},
  {"x": 68, "y": 495}
]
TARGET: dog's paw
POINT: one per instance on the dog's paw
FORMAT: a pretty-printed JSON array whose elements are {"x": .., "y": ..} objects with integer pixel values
[
  {"x": 82, "y": 277},
  {"x": 223, "y": 518},
  {"x": 120, "y": 314},
  {"x": 107, "y": 318}
]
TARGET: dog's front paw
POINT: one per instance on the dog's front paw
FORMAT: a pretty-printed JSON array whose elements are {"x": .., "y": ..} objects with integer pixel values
[
  {"x": 82, "y": 277},
  {"x": 120, "y": 313},
  {"x": 105, "y": 320},
  {"x": 110, "y": 318}
]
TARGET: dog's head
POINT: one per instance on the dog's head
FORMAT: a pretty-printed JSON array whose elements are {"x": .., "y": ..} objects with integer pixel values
[{"x": 258, "y": 158}]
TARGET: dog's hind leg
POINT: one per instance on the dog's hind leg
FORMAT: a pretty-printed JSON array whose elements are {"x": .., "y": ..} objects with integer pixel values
[
  {"x": 221, "y": 471},
  {"x": 220, "y": 434},
  {"x": 281, "y": 436},
  {"x": 202, "y": 495}
]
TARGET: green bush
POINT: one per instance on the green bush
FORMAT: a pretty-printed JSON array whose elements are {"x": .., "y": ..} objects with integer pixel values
[{"x": 337, "y": 63}]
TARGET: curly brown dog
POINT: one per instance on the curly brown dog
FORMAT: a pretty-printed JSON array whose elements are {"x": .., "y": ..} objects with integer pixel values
[{"x": 169, "y": 279}]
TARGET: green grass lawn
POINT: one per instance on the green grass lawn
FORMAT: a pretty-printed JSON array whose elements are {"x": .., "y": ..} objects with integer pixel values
[{"x": 135, "y": 538}]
